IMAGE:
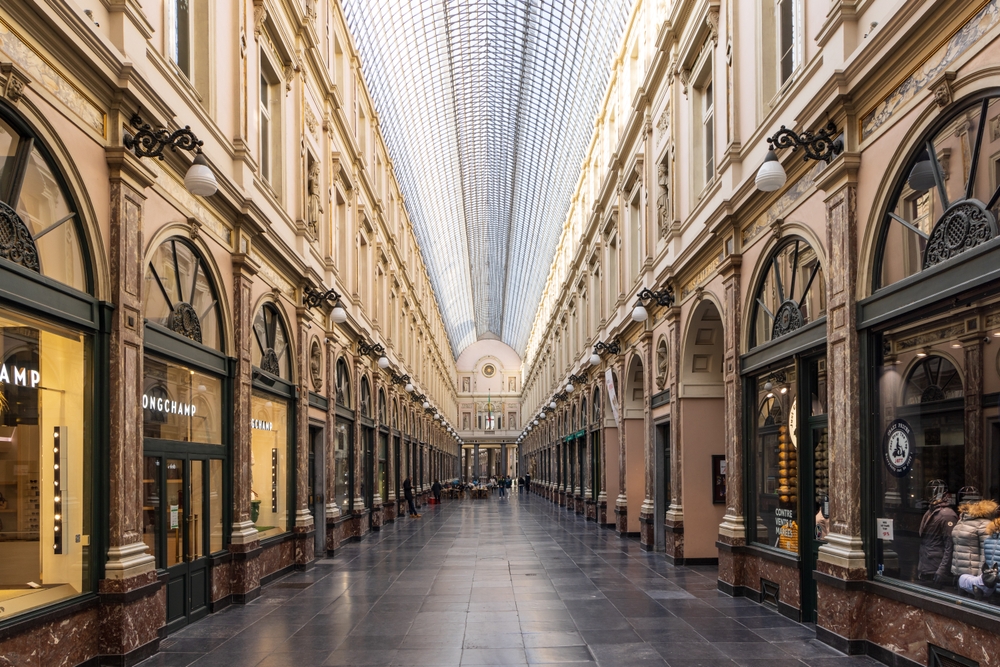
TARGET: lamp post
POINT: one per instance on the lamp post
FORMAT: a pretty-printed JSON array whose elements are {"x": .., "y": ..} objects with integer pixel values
[
  {"x": 823, "y": 145},
  {"x": 147, "y": 142},
  {"x": 663, "y": 297}
]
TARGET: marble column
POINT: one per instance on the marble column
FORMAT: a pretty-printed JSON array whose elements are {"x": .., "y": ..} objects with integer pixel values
[
  {"x": 647, "y": 511},
  {"x": 621, "y": 503},
  {"x": 305, "y": 545},
  {"x": 358, "y": 504},
  {"x": 843, "y": 556},
  {"x": 475, "y": 461},
  {"x": 244, "y": 542},
  {"x": 132, "y": 603},
  {"x": 673, "y": 521},
  {"x": 732, "y": 530},
  {"x": 330, "y": 438}
]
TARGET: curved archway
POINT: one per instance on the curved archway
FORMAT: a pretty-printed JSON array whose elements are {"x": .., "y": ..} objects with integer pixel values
[
  {"x": 700, "y": 412},
  {"x": 791, "y": 291},
  {"x": 632, "y": 474},
  {"x": 181, "y": 295},
  {"x": 271, "y": 349}
]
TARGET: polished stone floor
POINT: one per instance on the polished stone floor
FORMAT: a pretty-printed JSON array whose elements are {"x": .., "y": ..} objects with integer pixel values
[{"x": 497, "y": 582}]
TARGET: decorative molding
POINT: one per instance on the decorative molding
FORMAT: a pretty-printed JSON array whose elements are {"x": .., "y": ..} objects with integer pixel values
[
  {"x": 259, "y": 16},
  {"x": 942, "y": 88},
  {"x": 928, "y": 72},
  {"x": 712, "y": 21},
  {"x": 15, "y": 80},
  {"x": 34, "y": 64}
]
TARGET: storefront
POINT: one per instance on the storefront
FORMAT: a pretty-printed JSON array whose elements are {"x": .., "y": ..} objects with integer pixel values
[
  {"x": 343, "y": 458},
  {"x": 52, "y": 377},
  {"x": 931, "y": 330},
  {"x": 786, "y": 466},
  {"x": 186, "y": 436},
  {"x": 596, "y": 454}
]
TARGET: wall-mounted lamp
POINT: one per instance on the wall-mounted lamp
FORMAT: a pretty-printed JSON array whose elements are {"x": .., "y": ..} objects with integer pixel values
[
  {"x": 147, "y": 142},
  {"x": 819, "y": 146},
  {"x": 374, "y": 350},
  {"x": 579, "y": 379},
  {"x": 613, "y": 347},
  {"x": 400, "y": 379},
  {"x": 663, "y": 297},
  {"x": 414, "y": 396},
  {"x": 313, "y": 298}
]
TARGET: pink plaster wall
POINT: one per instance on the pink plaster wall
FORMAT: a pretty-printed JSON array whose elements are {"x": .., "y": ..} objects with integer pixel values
[{"x": 703, "y": 423}]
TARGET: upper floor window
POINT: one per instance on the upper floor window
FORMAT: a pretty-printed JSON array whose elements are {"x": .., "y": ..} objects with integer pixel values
[
  {"x": 180, "y": 295},
  {"x": 38, "y": 220},
  {"x": 270, "y": 123},
  {"x": 270, "y": 351},
  {"x": 791, "y": 294},
  {"x": 785, "y": 15},
  {"x": 947, "y": 198},
  {"x": 708, "y": 128},
  {"x": 343, "y": 384},
  {"x": 366, "y": 397},
  {"x": 187, "y": 39}
]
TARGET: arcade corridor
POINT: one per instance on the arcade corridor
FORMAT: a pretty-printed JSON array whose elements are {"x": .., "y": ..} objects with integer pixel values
[{"x": 497, "y": 582}]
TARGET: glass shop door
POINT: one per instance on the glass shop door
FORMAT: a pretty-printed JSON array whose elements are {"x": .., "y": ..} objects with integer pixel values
[
  {"x": 814, "y": 473},
  {"x": 180, "y": 495}
]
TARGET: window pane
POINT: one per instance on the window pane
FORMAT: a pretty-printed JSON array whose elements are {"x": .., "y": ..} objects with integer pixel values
[
  {"x": 270, "y": 465},
  {"x": 8, "y": 148},
  {"x": 42, "y": 203},
  {"x": 151, "y": 494},
  {"x": 180, "y": 404},
  {"x": 776, "y": 460},
  {"x": 937, "y": 463},
  {"x": 180, "y": 295},
  {"x": 341, "y": 462},
  {"x": 44, "y": 464},
  {"x": 217, "y": 529},
  {"x": 183, "y": 36}
]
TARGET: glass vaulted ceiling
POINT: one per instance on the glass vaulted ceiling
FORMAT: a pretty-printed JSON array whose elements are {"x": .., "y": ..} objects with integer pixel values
[{"x": 487, "y": 107}]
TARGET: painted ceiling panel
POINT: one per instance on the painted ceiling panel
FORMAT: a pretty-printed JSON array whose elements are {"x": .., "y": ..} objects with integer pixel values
[{"x": 487, "y": 107}]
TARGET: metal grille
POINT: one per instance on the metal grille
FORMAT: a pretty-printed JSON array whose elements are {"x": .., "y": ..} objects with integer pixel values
[
  {"x": 939, "y": 657},
  {"x": 487, "y": 107},
  {"x": 769, "y": 593}
]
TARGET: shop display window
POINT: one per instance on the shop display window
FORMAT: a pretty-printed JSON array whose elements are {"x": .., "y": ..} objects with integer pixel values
[
  {"x": 775, "y": 460},
  {"x": 270, "y": 465},
  {"x": 341, "y": 464},
  {"x": 45, "y": 464},
  {"x": 180, "y": 403},
  {"x": 937, "y": 452}
]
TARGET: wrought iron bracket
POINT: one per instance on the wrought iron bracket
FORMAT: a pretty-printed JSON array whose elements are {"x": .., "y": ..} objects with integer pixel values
[
  {"x": 400, "y": 379},
  {"x": 823, "y": 145},
  {"x": 561, "y": 396},
  {"x": 374, "y": 349},
  {"x": 663, "y": 297},
  {"x": 313, "y": 298},
  {"x": 578, "y": 379},
  {"x": 417, "y": 398},
  {"x": 612, "y": 347},
  {"x": 147, "y": 142}
]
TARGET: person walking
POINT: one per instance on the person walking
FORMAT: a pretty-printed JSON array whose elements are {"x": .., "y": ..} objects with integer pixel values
[
  {"x": 520, "y": 485},
  {"x": 501, "y": 486},
  {"x": 408, "y": 494},
  {"x": 436, "y": 490}
]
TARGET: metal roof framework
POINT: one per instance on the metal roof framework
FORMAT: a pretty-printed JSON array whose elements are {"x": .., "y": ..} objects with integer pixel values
[{"x": 487, "y": 109}]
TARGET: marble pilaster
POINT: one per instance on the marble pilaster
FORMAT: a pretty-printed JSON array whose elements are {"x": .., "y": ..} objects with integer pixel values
[{"x": 732, "y": 530}]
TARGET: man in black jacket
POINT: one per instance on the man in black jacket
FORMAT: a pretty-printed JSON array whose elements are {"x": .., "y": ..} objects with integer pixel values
[
  {"x": 436, "y": 490},
  {"x": 408, "y": 494}
]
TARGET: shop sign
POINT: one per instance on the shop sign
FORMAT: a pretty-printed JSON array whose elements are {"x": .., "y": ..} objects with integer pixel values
[
  {"x": 885, "y": 529},
  {"x": 261, "y": 425},
  {"x": 899, "y": 448},
  {"x": 174, "y": 518},
  {"x": 167, "y": 407},
  {"x": 19, "y": 377},
  {"x": 609, "y": 380}
]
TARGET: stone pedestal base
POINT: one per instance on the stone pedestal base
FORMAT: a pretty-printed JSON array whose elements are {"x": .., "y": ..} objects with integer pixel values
[
  {"x": 305, "y": 547},
  {"x": 647, "y": 539},
  {"x": 133, "y": 611},
  {"x": 602, "y": 513},
  {"x": 590, "y": 510},
  {"x": 389, "y": 511},
  {"x": 621, "y": 520},
  {"x": 378, "y": 517},
  {"x": 673, "y": 538},
  {"x": 246, "y": 571}
]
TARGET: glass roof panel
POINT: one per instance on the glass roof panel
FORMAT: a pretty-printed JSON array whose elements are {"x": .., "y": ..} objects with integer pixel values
[{"x": 487, "y": 108}]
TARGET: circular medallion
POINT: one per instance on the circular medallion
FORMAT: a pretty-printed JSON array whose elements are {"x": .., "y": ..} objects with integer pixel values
[
  {"x": 898, "y": 448},
  {"x": 489, "y": 370}
]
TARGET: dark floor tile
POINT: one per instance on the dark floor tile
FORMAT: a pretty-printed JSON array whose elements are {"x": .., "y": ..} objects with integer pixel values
[
  {"x": 560, "y": 654},
  {"x": 593, "y": 637}
]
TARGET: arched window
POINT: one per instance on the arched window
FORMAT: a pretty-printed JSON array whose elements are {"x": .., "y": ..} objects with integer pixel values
[
  {"x": 583, "y": 412},
  {"x": 39, "y": 221},
  {"x": 270, "y": 351},
  {"x": 180, "y": 295},
  {"x": 365, "y": 397},
  {"x": 791, "y": 293},
  {"x": 381, "y": 408},
  {"x": 344, "y": 397},
  {"x": 597, "y": 406},
  {"x": 947, "y": 199},
  {"x": 395, "y": 414},
  {"x": 932, "y": 379}
]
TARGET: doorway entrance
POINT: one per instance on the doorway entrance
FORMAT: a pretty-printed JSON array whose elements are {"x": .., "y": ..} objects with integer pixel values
[
  {"x": 183, "y": 517},
  {"x": 661, "y": 498}
]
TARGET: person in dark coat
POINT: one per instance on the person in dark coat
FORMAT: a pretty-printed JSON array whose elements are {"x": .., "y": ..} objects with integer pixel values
[
  {"x": 436, "y": 490},
  {"x": 408, "y": 494},
  {"x": 935, "y": 541}
]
